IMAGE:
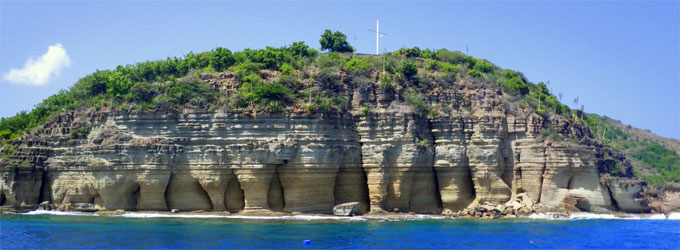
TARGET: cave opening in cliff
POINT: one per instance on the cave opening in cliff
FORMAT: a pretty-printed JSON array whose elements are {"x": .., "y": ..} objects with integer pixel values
[
  {"x": 234, "y": 197},
  {"x": 275, "y": 198},
  {"x": 185, "y": 193},
  {"x": 2, "y": 198},
  {"x": 471, "y": 183},
  {"x": 135, "y": 196}
]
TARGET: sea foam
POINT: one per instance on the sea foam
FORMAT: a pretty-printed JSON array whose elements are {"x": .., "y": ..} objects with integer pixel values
[
  {"x": 255, "y": 217},
  {"x": 51, "y": 212},
  {"x": 674, "y": 216},
  {"x": 593, "y": 216}
]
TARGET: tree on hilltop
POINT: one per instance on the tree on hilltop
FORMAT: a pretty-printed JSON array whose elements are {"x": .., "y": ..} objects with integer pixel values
[{"x": 336, "y": 42}]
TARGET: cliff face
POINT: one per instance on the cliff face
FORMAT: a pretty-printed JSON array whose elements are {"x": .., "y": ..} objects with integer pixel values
[{"x": 390, "y": 158}]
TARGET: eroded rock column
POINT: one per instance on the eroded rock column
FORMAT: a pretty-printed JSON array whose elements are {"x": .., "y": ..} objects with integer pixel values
[
  {"x": 398, "y": 160},
  {"x": 451, "y": 164},
  {"x": 486, "y": 160},
  {"x": 255, "y": 179}
]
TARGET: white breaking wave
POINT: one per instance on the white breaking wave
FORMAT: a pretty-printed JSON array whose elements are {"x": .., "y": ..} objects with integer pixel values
[
  {"x": 50, "y": 212},
  {"x": 547, "y": 216},
  {"x": 284, "y": 217},
  {"x": 402, "y": 217},
  {"x": 156, "y": 215},
  {"x": 592, "y": 216},
  {"x": 674, "y": 216},
  {"x": 656, "y": 217}
]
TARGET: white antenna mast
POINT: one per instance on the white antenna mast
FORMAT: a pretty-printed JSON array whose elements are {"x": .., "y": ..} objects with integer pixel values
[{"x": 377, "y": 37}]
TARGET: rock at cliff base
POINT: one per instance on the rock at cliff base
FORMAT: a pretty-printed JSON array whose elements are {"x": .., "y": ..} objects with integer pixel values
[
  {"x": 347, "y": 209},
  {"x": 85, "y": 207}
]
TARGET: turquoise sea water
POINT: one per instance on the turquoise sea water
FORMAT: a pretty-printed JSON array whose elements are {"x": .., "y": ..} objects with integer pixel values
[{"x": 100, "y": 232}]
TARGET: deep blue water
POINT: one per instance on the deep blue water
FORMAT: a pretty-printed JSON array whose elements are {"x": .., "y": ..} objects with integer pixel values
[{"x": 54, "y": 231}]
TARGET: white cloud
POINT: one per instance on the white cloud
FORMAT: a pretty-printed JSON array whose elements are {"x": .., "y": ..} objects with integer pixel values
[{"x": 39, "y": 71}]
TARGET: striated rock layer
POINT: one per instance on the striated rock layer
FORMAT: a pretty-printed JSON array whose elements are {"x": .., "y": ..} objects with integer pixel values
[
  {"x": 390, "y": 158},
  {"x": 305, "y": 163}
]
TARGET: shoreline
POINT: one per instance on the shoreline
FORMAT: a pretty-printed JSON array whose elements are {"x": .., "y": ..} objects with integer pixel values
[{"x": 368, "y": 217}]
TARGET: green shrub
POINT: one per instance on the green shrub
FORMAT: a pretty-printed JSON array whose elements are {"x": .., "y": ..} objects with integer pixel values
[
  {"x": 434, "y": 113},
  {"x": 453, "y": 57},
  {"x": 197, "y": 93},
  {"x": 509, "y": 74},
  {"x": 179, "y": 94},
  {"x": 386, "y": 82},
  {"x": 286, "y": 69},
  {"x": 326, "y": 104},
  {"x": 475, "y": 73},
  {"x": 409, "y": 69},
  {"x": 449, "y": 68},
  {"x": 251, "y": 79},
  {"x": 309, "y": 107},
  {"x": 140, "y": 92},
  {"x": 428, "y": 54},
  {"x": 301, "y": 50},
  {"x": 516, "y": 85},
  {"x": 271, "y": 92},
  {"x": 431, "y": 65},
  {"x": 356, "y": 66},
  {"x": 274, "y": 106},
  {"x": 247, "y": 68},
  {"x": 483, "y": 66},
  {"x": 408, "y": 52},
  {"x": 221, "y": 59},
  {"x": 5, "y": 134},
  {"x": 270, "y": 57},
  {"x": 91, "y": 85},
  {"x": 543, "y": 89},
  {"x": 365, "y": 110},
  {"x": 391, "y": 65}
]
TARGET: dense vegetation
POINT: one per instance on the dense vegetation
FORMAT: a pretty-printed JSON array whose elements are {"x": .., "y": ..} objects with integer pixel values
[
  {"x": 663, "y": 160},
  {"x": 309, "y": 79},
  {"x": 652, "y": 161}
]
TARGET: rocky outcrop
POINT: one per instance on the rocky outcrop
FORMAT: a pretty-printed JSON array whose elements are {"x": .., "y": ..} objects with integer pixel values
[
  {"x": 347, "y": 209},
  {"x": 477, "y": 152}
]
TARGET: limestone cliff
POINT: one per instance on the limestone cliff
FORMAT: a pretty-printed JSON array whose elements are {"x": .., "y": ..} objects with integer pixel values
[{"x": 377, "y": 151}]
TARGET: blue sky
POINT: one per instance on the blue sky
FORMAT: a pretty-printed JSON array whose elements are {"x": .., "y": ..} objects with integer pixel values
[{"x": 622, "y": 59}]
